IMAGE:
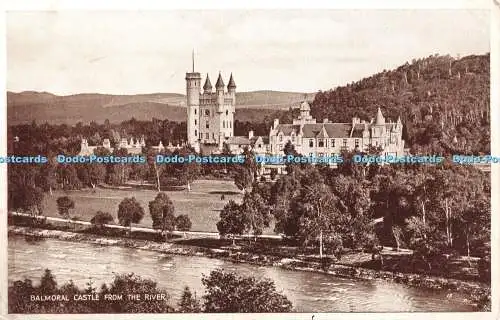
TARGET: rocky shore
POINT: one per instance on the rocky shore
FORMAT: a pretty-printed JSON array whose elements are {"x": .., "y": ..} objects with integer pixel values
[{"x": 477, "y": 293}]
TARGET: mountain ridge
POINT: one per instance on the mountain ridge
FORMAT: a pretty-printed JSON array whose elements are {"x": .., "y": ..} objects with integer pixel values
[{"x": 26, "y": 106}]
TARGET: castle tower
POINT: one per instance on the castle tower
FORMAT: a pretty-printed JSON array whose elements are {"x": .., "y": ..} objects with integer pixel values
[
  {"x": 193, "y": 84},
  {"x": 210, "y": 114}
]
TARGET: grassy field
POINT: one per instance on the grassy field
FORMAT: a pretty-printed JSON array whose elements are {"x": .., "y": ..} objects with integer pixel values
[{"x": 202, "y": 204}]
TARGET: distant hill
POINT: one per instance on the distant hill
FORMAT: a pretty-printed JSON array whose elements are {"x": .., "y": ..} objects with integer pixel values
[
  {"x": 443, "y": 102},
  {"x": 27, "y": 106}
]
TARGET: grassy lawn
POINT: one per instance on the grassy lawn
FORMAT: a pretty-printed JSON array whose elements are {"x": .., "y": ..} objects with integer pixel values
[{"x": 202, "y": 204}]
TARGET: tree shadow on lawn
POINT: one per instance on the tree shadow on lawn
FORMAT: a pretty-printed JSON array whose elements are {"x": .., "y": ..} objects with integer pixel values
[
  {"x": 226, "y": 193},
  {"x": 143, "y": 188}
]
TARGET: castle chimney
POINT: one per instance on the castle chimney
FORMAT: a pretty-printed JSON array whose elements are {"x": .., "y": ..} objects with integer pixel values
[{"x": 250, "y": 134}]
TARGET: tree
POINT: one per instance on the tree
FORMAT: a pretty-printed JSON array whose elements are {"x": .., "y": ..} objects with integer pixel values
[
  {"x": 227, "y": 292},
  {"x": 92, "y": 174},
  {"x": 354, "y": 204},
  {"x": 244, "y": 174},
  {"x": 188, "y": 302},
  {"x": 129, "y": 211},
  {"x": 33, "y": 199},
  {"x": 64, "y": 204},
  {"x": 162, "y": 212},
  {"x": 132, "y": 284},
  {"x": 257, "y": 213},
  {"x": 48, "y": 284},
  {"x": 232, "y": 220},
  {"x": 101, "y": 218},
  {"x": 243, "y": 177},
  {"x": 186, "y": 172},
  {"x": 316, "y": 209},
  {"x": 183, "y": 223},
  {"x": 151, "y": 158}
]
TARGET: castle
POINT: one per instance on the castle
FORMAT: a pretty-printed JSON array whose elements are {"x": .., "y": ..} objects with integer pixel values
[
  {"x": 210, "y": 128},
  {"x": 210, "y": 115},
  {"x": 329, "y": 139}
]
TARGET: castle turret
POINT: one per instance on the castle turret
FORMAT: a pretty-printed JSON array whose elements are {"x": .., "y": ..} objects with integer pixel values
[
  {"x": 231, "y": 88},
  {"x": 193, "y": 84},
  {"x": 219, "y": 89},
  {"x": 207, "y": 87},
  {"x": 219, "y": 86}
]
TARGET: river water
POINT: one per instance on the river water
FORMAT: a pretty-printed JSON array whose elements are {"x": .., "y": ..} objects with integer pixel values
[{"x": 309, "y": 292}]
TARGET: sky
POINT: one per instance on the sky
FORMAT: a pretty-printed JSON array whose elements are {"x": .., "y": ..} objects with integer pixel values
[{"x": 131, "y": 52}]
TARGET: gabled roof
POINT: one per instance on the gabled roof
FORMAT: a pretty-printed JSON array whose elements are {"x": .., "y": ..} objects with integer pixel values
[
  {"x": 238, "y": 140},
  {"x": 322, "y": 133},
  {"x": 287, "y": 129}
]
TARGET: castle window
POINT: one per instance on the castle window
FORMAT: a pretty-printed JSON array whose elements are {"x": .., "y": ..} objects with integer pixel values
[
  {"x": 207, "y": 135},
  {"x": 311, "y": 143},
  {"x": 332, "y": 142},
  {"x": 281, "y": 138},
  {"x": 207, "y": 125},
  {"x": 321, "y": 144},
  {"x": 344, "y": 143},
  {"x": 194, "y": 111},
  {"x": 259, "y": 146},
  {"x": 195, "y": 122},
  {"x": 227, "y": 112},
  {"x": 230, "y": 124},
  {"x": 196, "y": 133},
  {"x": 207, "y": 112},
  {"x": 293, "y": 138},
  {"x": 213, "y": 135},
  {"x": 356, "y": 143},
  {"x": 224, "y": 124}
]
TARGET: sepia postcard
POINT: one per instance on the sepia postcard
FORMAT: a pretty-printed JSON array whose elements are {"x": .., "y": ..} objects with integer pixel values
[{"x": 293, "y": 161}]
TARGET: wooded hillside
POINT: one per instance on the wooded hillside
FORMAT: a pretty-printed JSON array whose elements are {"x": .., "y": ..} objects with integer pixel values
[{"x": 443, "y": 102}]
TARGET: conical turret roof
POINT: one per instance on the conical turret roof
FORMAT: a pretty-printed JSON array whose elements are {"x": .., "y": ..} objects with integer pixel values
[
  {"x": 220, "y": 82},
  {"x": 379, "y": 120},
  {"x": 231, "y": 84},
  {"x": 207, "y": 85}
]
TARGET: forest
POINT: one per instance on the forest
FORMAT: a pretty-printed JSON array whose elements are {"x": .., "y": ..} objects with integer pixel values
[{"x": 442, "y": 101}]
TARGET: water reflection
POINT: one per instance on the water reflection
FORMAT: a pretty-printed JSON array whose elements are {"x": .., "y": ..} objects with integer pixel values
[{"x": 309, "y": 292}]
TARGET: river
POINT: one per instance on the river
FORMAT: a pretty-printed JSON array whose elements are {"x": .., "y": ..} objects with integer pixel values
[{"x": 309, "y": 292}]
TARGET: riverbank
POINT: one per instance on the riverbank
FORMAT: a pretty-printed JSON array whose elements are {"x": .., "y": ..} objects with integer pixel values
[{"x": 478, "y": 294}]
